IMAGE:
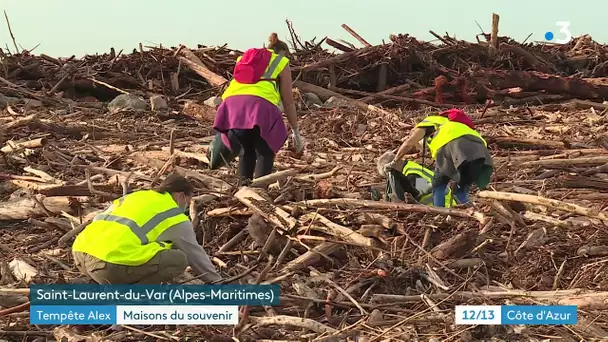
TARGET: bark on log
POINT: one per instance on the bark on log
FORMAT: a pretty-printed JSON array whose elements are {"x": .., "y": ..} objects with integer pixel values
[
  {"x": 337, "y": 230},
  {"x": 25, "y": 208},
  {"x": 456, "y": 247},
  {"x": 11, "y": 146},
  {"x": 585, "y": 299},
  {"x": 274, "y": 215},
  {"x": 197, "y": 66},
  {"x": 546, "y": 202},
  {"x": 417, "y": 208},
  {"x": 562, "y": 162},
  {"x": 515, "y": 141},
  {"x": 311, "y": 257},
  {"x": 536, "y": 81}
]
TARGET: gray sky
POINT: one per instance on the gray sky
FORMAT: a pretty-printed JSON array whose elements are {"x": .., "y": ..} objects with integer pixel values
[{"x": 66, "y": 27}]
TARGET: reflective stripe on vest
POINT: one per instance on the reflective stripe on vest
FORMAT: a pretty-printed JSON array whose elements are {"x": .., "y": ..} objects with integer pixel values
[
  {"x": 445, "y": 131},
  {"x": 267, "y": 88},
  {"x": 128, "y": 234},
  {"x": 413, "y": 168}
]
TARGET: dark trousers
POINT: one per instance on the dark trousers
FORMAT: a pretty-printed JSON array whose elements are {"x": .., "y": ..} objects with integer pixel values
[
  {"x": 255, "y": 156},
  {"x": 399, "y": 184}
]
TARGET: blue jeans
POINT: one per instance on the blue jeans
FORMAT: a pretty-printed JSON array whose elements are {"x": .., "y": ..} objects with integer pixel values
[{"x": 469, "y": 172}]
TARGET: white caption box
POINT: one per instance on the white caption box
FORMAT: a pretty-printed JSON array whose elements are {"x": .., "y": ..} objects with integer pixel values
[
  {"x": 177, "y": 314},
  {"x": 478, "y": 315}
]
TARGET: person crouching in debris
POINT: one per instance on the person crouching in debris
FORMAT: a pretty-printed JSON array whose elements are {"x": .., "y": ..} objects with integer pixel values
[
  {"x": 405, "y": 178},
  {"x": 143, "y": 238},
  {"x": 459, "y": 151},
  {"x": 249, "y": 120}
]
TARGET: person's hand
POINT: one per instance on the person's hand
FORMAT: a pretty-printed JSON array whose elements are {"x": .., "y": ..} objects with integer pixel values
[
  {"x": 389, "y": 166},
  {"x": 297, "y": 139}
]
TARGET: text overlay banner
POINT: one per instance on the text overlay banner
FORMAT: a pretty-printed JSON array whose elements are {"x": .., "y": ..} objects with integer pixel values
[{"x": 88, "y": 294}]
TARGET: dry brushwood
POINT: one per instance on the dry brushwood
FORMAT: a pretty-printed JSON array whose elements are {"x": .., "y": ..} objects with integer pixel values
[{"x": 349, "y": 267}]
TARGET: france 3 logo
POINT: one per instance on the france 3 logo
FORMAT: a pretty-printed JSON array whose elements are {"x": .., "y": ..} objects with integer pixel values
[{"x": 564, "y": 29}]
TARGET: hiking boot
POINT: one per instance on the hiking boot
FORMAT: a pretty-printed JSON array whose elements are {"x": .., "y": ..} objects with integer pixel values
[{"x": 244, "y": 182}]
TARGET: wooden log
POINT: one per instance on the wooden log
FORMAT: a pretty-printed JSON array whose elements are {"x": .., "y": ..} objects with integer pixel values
[
  {"x": 277, "y": 216},
  {"x": 391, "y": 91},
  {"x": 456, "y": 247},
  {"x": 12, "y": 146},
  {"x": 562, "y": 162},
  {"x": 337, "y": 59},
  {"x": 592, "y": 251},
  {"x": 273, "y": 178},
  {"x": 311, "y": 257},
  {"x": 580, "y": 88},
  {"x": 338, "y": 46},
  {"x": 516, "y": 141},
  {"x": 534, "y": 61},
  {"x": 77, "y": 190},
  {"x": 22, "y": 270},
  {"x": 356, "y": 35},
  {"x": 466, "y": 263},
  {"x": 194, "y": 63},
  {"x": 337, "y": 230},
  {"x": 25, "y": 208},
  {"x": 229, "y": 212},
  {"x": 24, "y": 121},
  {"x": 395, "y": 98},
  {"x": 585, "y": 299},
  {"x": 418, "y": 208},
  {"x": 546, "y": 202}
]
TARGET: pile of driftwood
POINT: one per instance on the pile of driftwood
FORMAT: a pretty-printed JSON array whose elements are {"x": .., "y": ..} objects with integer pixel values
[
  {"x": 404, "y": 72},
  {"x": 350, "y": 269}
]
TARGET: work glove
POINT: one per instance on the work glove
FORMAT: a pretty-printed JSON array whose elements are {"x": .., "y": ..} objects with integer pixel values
[
  {"x": 389, "y": 166},
  {"x": 297, "y": 139}
]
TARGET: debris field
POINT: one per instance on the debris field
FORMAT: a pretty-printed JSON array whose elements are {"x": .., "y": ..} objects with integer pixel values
[{"x": 79, "y": 132}]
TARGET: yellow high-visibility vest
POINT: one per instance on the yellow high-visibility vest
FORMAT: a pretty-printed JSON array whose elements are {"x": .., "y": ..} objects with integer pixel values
[
  {"x": 445, "y": 131},
  {"x": 413, "y": 168},
  {"x": 267, "y": 88},
  {"x": 127, "y": 235}
]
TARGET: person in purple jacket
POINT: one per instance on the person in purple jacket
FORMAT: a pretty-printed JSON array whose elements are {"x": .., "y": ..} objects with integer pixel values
[{"x": 249, "y": 118}]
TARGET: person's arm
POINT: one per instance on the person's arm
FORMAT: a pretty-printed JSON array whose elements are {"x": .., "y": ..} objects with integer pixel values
[
  {"x": 286, "y": 90},
  {"x": 183, "y": 238},
  {"x": 416, "y": 135}
]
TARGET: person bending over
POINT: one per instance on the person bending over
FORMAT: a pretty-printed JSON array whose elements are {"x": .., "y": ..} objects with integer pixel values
[
  {"x": 143, "y": 238},
  {"x": 408, "y": 177},
  {"x": 249, "y": 119}
]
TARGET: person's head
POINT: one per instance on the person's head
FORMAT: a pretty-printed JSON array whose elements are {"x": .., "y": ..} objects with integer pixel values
[
  {"x": 276, "y": 45},
  {"x": 180, "y": 189}
]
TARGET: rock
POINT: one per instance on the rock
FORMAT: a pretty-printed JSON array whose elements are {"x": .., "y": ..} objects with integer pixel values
[
  {"x": 213, "y": 101},
  {"x": 375, "y": 317},
  {"x": 335, "y": 102},
  {"x": 158, "y": 102},
  {"x": 3, "y": 101},
  {"x": 127, "y": 102},
  {"x": 311, "y": 99},
  {"x": 33, "y": 104}
]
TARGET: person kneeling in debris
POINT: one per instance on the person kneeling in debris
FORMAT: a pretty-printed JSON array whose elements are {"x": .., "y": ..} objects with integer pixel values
[
  {"x": 249, "y": 120},
  {"x": 408, "y": 177},
  {"x": 460, "y": 153},
  {"x": 143, "y": 238}
]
